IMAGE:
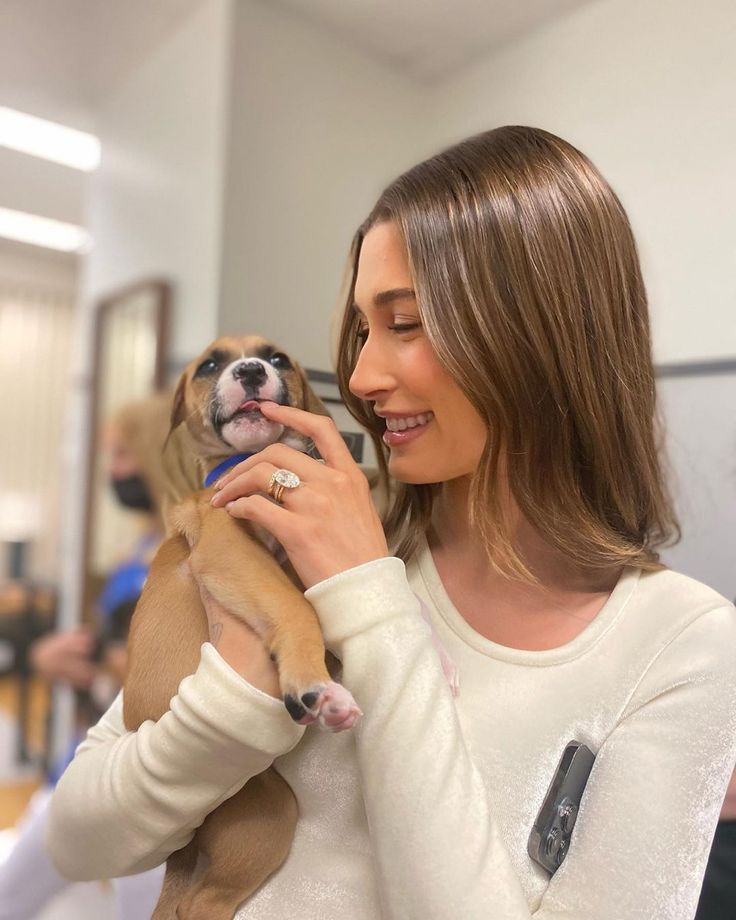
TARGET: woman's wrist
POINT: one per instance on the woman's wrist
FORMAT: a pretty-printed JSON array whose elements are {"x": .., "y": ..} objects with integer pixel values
[{"x": 373, "y": 592}]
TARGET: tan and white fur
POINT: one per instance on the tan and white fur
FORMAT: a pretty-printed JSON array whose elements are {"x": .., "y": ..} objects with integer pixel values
[{"x": 215, "y": 415}]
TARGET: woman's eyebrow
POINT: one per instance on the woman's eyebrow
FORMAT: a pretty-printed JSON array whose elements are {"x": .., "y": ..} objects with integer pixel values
[{"x": 385, "y": 297}]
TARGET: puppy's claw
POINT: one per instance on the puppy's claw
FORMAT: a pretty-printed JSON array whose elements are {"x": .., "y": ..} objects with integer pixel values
[
  {"x": 295, "y": 709},
  {"x": 309, "y": 699},
  {"x": 330, "y": 704}
]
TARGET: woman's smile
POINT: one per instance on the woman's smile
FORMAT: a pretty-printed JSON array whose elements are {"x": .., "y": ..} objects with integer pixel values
[{"x": 406, "y": 428}]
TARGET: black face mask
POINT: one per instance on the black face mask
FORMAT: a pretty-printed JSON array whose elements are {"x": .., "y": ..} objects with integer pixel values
[{"x": 132, "y": 492}]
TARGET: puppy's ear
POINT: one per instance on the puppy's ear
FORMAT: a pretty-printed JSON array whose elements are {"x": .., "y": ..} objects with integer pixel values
[
  {"x": 178, "y": 407},
  {"x": 310, "y": 401}
]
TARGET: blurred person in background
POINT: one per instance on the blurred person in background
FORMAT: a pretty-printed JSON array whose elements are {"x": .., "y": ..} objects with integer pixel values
[{"x": 92, "y": 660}]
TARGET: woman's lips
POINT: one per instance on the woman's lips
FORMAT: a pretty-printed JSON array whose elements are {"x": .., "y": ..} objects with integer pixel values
[{"x": 397, "y": 438}]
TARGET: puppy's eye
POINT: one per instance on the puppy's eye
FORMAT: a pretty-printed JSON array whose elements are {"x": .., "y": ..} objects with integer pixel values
[
  {"x": 206, "y": 368},
  {"x": 280, "y": 360}
]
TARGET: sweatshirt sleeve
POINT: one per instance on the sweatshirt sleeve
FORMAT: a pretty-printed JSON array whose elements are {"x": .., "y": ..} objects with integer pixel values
[
  {"x": 644, "y": 830},
  {"x": 130, "y": 799}
]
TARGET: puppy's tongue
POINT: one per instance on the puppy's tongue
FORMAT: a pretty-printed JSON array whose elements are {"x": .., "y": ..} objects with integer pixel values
[{"x": 250, "y": 405}]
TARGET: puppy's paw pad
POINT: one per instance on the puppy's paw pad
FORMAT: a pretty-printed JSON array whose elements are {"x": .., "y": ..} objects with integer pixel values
[{"x": 332, "y": 706}]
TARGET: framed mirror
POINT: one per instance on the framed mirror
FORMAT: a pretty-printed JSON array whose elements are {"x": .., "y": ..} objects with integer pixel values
[{"x": 130, "y": 363}]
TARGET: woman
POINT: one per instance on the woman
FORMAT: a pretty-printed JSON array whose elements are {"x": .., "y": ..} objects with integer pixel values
[{"x": 496, "y": 343}]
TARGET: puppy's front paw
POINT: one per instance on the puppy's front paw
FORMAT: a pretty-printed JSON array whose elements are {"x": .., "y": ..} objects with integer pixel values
[{"x": 330, "y": 704}]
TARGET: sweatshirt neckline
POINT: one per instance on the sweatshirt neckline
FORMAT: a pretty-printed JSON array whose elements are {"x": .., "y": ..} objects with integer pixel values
[{"x": 585, "y": 639}]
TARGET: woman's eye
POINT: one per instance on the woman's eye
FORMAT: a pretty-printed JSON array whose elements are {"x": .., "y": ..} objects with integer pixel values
[
  {"x": 404, "y": 327},
  {"x": 206, "y": 368},
  {"x": 280, "y": 360},
  {"x": 362, "y": 334}
]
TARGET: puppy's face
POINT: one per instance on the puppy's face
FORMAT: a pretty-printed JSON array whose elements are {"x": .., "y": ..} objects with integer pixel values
[{"x": 219, "y": 394}]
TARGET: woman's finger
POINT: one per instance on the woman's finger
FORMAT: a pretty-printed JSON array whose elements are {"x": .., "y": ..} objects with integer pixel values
[
  {"x": 320, "y": 428},
  {"x": 258, "y": 479},
  {"x": 280, "y": 456},
  {"x": 257, "y": 508}
]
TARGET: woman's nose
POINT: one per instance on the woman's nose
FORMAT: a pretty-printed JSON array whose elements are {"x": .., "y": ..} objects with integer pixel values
[{"x": 370, "y": 375}]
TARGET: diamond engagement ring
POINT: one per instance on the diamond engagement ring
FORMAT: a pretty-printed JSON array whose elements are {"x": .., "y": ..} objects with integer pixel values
[{"x": 280, "y": 480}]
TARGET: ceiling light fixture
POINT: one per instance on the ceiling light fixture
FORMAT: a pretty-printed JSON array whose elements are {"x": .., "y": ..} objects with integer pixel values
[
  {"x": 43, "y": 231},
  {"x": 48, "y": 140}
]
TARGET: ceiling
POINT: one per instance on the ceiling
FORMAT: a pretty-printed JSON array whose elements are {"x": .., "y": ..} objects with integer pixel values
[
  {"x": 430, "y": 39},
  {"x": 60, "y": 58}
]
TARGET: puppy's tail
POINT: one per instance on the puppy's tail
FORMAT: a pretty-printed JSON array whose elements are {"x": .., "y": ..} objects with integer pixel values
[{"x": 179, "y": 871}]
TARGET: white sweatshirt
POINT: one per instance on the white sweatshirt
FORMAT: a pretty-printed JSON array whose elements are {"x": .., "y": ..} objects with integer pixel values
[{"x": 423, "y": 811}]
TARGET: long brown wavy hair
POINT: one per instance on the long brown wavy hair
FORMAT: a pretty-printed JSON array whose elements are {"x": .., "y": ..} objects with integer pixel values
[{"x": 530, "y": 291}]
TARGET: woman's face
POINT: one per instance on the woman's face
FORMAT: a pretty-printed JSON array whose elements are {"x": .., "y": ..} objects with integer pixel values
[
  {"x": 120, "y": 460},
  {"x": 441, "y": 435}
]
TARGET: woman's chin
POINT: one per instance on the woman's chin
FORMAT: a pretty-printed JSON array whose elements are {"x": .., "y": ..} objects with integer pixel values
[{"x": 414, "y": 474}]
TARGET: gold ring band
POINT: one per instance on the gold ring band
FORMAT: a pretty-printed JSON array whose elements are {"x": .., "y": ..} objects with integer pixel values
[
  {"x": 277, "y": 492},
  {"x": 281, "y": 480}
]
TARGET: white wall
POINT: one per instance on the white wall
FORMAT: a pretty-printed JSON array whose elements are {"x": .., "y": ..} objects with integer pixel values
[
  {"x": 155, "y": 203},
  {"x": 154, "y": 208},
  {"x": 647, "y": 90},
  {"x": 41, "y": 187},
  {"x": 37, "y": 294},
  {"x": 317, "y": 129}
]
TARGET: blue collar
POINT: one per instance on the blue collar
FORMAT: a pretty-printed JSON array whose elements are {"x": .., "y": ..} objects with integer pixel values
[{"x": 221, "y": 468}]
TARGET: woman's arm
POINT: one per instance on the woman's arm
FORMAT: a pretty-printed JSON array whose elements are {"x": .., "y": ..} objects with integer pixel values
[
  {"x": 129, "y": 799},
  {"x": 645, "y": 827}
]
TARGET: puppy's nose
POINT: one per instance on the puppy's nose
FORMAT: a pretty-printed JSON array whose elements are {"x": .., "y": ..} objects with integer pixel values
[{"x": 250, "y": 374}]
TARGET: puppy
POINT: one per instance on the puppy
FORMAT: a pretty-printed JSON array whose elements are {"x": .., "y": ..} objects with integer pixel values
[{"x": 215, "y": 418}]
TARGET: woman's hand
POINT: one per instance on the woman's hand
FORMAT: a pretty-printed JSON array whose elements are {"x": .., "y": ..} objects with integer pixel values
[
  {"x": 65, "y": 657},
  {"x": 329, "y": 523}
]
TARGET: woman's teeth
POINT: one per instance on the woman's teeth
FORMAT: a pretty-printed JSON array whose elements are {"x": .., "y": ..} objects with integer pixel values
[{"x": 409, "y": 421}]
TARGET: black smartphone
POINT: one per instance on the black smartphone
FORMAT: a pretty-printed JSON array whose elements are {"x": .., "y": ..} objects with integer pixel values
[{"x": 549, "y": 840}]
